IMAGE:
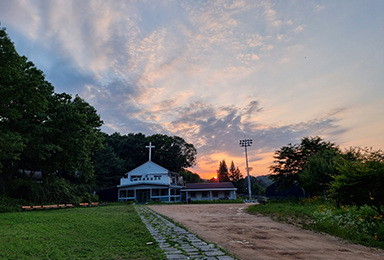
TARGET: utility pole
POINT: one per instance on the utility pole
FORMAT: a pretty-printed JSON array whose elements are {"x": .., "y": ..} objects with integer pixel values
[{"x": 245, "y": 143}]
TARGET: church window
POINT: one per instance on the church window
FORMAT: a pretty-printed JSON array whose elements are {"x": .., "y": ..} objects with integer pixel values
[
  {"x": 131, "y": 193},
  {"x": 123, "y": 193},
  {"x": 155, "y": 192},
  {"x": 227, "y": 194},
  {"x": 192, "y": 194},
  {"x": 164, "y": 192},
  {"x": 204, "y": 194},
  {"x": 215, "y": 194}
]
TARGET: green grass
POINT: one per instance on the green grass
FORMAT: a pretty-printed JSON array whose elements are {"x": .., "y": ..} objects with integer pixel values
[
  {"x": 358, "y": 225},
  {"x": 110, "y": 232}
]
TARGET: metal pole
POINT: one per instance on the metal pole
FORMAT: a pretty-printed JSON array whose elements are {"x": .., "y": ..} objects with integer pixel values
[
  {"x": 249, "y": 178},
  {"x": 244, "y": 143}
]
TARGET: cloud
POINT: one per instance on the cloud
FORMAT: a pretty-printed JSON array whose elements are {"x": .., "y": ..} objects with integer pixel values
[
  {"x": 299, "y": 28},
  {"x": 277, "y": 23},
  {"x": 208, "y": 71}
]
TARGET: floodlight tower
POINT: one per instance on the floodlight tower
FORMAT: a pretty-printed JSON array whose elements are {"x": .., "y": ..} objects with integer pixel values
[{"x": 245, "y": 143}]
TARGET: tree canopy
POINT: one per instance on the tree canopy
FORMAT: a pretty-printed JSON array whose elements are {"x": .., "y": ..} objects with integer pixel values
[
  {"x": 222, "y": 172},
  {"x": 172, "y": 152},
  {"x": 123, "y": 153},
  {"x": 234, "y": 173},
  {"x": 292, "y": 160},
  {"x": 40, "y": 130},
  {"x": 360, "y": 182}
]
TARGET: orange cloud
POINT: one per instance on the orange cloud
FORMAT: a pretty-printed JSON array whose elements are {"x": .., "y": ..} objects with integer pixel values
[{"x": 208, "y": 165}]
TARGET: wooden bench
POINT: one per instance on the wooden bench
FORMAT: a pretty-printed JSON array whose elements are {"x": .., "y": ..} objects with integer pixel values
[
  {"x": 70, "y": 205},
  {"x": 84, "y": 204},
  {"x": 95, "y": 204},
  {"x": 62, "y": 206},
  {"x": 37, "y": 207},
  {"x": 26, "y": 208}
]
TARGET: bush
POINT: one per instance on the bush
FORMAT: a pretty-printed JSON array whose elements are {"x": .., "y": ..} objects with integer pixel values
[{"x": 10, "y": 205}]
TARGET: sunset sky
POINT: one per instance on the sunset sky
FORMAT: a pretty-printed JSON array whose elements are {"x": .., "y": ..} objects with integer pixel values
[{"x": 215, "y": 72}]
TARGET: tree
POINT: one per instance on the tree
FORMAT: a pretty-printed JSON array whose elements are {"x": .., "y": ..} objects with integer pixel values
[
  {"x": 172, "y": 152},
  {"x": 317, "y": 174},
  {"x": 24, "y": 101},
  {"x": 74, "y": 135},
  {"x": 234, "y": 173},
  {"x": 222, "y": 172},
  {"x": 292, "y": 159},
  {"x": 109, "y": 168},
  {"x": 190, "y": 177},
  {"x": 257, "y": 189},
  {"x": 130, "y": 148},
  {"x": 361, "y": 182}
]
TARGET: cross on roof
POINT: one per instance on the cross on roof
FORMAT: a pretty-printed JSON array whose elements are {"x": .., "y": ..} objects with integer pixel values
[{"x": 150, "y": 146}]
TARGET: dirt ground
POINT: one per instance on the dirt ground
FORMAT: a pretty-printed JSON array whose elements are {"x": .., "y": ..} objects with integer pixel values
[{"x": 249, "y": 236}]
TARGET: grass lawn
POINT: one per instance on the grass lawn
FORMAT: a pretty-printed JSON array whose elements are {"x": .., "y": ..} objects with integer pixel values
[{"x": 109, "y": 232}]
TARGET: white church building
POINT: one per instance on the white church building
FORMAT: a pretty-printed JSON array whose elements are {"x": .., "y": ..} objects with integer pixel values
[{"x": 150, "y": 182}]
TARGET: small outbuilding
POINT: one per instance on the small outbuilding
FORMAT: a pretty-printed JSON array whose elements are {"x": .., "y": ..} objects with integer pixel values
[{"x": 209, "y": 191}]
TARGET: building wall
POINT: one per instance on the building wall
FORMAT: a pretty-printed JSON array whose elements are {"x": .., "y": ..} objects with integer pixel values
[
  {"x": 211, "y": 195},
  {"x": 156, "y": 193}
]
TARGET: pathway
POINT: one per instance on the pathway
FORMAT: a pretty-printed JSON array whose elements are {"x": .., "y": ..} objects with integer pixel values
[{"x": 177, "y": 242}]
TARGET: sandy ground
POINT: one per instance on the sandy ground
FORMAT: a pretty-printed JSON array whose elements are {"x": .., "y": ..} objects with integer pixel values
[{"x": 249, "y": 236}]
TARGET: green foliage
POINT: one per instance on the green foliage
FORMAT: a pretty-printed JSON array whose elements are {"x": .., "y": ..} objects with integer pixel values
[
  {"x": 190, "y": 177},
  {"x": 234, "y": 173},
  {"x": 172, "y": 152},
  {"x": 42, "y": 131},
  {"x": 24, "y": 98},
  {"x": 361, "y": 182},
  {"x": 129, "y": 148},
  {"x": 257, "y": 189},
  {"x": 290, "y": 162},
  {"x": 109, "y": 232},
  {"x": 109, "y": 168},
  {"x": 258, "y": 185},
  {"x": 74, "y": 131},
  {"x": 8, "y": 204},
  {"x": 317, "y": 173},
  {"x": 222, "y": 172},
  {"x": 54, "y": 190},
  {"x": 123, "y": 153}
]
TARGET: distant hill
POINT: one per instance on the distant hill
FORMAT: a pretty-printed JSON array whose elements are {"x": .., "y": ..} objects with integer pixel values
[{"x": 265, "y": 179}]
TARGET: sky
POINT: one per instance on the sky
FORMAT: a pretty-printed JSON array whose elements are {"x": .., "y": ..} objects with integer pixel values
[{"x": 215, "y": 72}]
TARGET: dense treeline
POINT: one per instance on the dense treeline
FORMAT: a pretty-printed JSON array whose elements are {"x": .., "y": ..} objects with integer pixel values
[
  {"x": 350, "y": 177},
  {"x": 52, "y": 149},
  {"x": 123, "y": 153}
]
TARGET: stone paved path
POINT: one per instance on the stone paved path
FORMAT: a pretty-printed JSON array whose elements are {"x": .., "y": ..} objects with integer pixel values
[{"x": 177, "y": 242}]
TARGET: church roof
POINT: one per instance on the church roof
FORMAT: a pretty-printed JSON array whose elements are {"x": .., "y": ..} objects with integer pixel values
[
  {"x": 210, "y": 185},
  {"x": 148, "y": 167}
]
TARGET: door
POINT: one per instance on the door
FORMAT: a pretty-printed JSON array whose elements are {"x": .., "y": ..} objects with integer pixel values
[{"x": 142, "y": 196}]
